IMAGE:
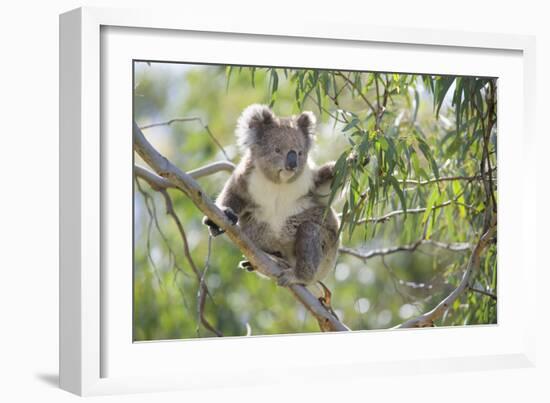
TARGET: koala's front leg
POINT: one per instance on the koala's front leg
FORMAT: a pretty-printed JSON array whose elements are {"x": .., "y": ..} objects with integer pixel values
[
  {"x": 324, "y": 174},
  {"x": 230, "y": 203}
]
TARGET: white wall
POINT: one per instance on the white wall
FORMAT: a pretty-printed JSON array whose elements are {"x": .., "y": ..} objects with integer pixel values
[{"x": 28, "y": 201}]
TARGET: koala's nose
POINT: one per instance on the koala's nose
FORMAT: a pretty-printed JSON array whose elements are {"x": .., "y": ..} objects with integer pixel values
[{"x": 291, "y": 160}]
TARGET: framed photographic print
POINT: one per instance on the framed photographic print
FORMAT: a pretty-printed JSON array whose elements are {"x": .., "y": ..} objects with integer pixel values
[{"x": 234, "y": 195}]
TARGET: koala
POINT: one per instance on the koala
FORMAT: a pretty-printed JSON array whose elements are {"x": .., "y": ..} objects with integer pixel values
[{"x": 278, "y": 196}]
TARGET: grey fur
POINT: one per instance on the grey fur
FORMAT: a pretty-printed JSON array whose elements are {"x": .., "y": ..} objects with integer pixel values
[{"x": 307, "y": 239}]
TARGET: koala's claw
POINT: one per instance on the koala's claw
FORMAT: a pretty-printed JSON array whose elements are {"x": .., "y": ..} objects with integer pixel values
[
  {"x": 213, "y": 228},
  {"x": 326, "y": 299}
]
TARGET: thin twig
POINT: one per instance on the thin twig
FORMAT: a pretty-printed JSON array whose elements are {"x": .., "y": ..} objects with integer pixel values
[
  {"x": 483, "y": 292},
  {"x": 440, "y": 179},
  {"x": 202, "y": 291},
  {"x": 202, "y": 287},
  {"x": 370, "y": 105},
  {"x": 396, "y": 281},
  {"x": 364, "y": 255},
  {"x": 190, "y": 119},
  {"x": 418, "y": 210},
  {"x": 328, "y": 112},
  {"x": 149, "y": 206}
]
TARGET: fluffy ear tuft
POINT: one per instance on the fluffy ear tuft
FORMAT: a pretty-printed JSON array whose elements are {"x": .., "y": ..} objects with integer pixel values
[
  {"x": 252, "y": 123},
  {"x": 306, "y": 122}
]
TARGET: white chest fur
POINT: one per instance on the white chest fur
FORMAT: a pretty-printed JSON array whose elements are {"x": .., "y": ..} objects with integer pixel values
[{"x": 278, "y": 201}]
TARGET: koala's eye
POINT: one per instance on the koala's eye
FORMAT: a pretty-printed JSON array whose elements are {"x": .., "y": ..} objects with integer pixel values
[
  {"x": 278, "y": 150},
  {"x": 300, "y": 153}
]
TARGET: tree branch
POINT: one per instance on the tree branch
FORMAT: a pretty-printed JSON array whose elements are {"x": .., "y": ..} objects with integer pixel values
[
  {"x": 364, "y": 255},
  {"x": 395, "y": 213},
  {"x": 212, "y": 169},
  {"x": 158, "y": 182},
  {"x": 259, "y": 259},
  {"x": 441, "y": 179},
  {"x": 427, "y": 319}
]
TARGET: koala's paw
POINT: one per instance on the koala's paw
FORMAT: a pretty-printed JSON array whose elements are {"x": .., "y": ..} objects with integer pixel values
[
  {"x": 287, "y": 278},
  {"x": 213, "y": 228},
  {"x": 246, "y": 265},
  {"x": 231, "y": 216}
]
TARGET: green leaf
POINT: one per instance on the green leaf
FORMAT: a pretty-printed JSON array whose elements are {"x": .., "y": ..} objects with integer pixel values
[
  {"x": 228, "y": 71},
  {"x": 415, "y": 163},
  {"x": 457, "y": 101},
  {"x": 353, "y": 123},
  {"x": 450, "y": 221},
  {"x": 458, "y": 192},
  {"x": 399, "y": 191},
  {"x": 383, "y": 143},
  {"x": 457, "y": 142},
  {"x": 442, "y": 85},
  {"x": 429, "y": 83},
  {"x": 340, "y": 173},
  {"x": 319, "y": 99},
  {"x": 352, "y": 206},
  {"x": 416, "y": 105},
  {"x": 428, "y": 154},
  {"x": 274, "y": 81},
  {"x": 430, "y": 204},
  {"x": 345, "y": 210},
  {"x": 252, "y": 76},
  {"x": 325, "y": 78}
]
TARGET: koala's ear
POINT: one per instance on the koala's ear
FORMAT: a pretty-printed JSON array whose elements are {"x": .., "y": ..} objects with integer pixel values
[
  {"x": 306, "y": 122},
  {"x": 252, "y": 122}
]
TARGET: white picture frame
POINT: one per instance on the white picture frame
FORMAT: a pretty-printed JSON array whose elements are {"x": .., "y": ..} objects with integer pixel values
[{"x": 96, "y": 355}]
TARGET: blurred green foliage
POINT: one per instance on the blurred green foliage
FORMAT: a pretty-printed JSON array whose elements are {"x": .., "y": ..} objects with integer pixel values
[{"x": 397, "y": 139}]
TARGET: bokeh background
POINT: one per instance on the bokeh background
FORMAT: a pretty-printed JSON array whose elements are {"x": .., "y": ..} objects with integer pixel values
[{"x": 375, "y": 293}]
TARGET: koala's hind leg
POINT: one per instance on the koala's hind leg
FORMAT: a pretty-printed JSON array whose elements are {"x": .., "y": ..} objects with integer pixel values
[{"x": 308, "y": 251}]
